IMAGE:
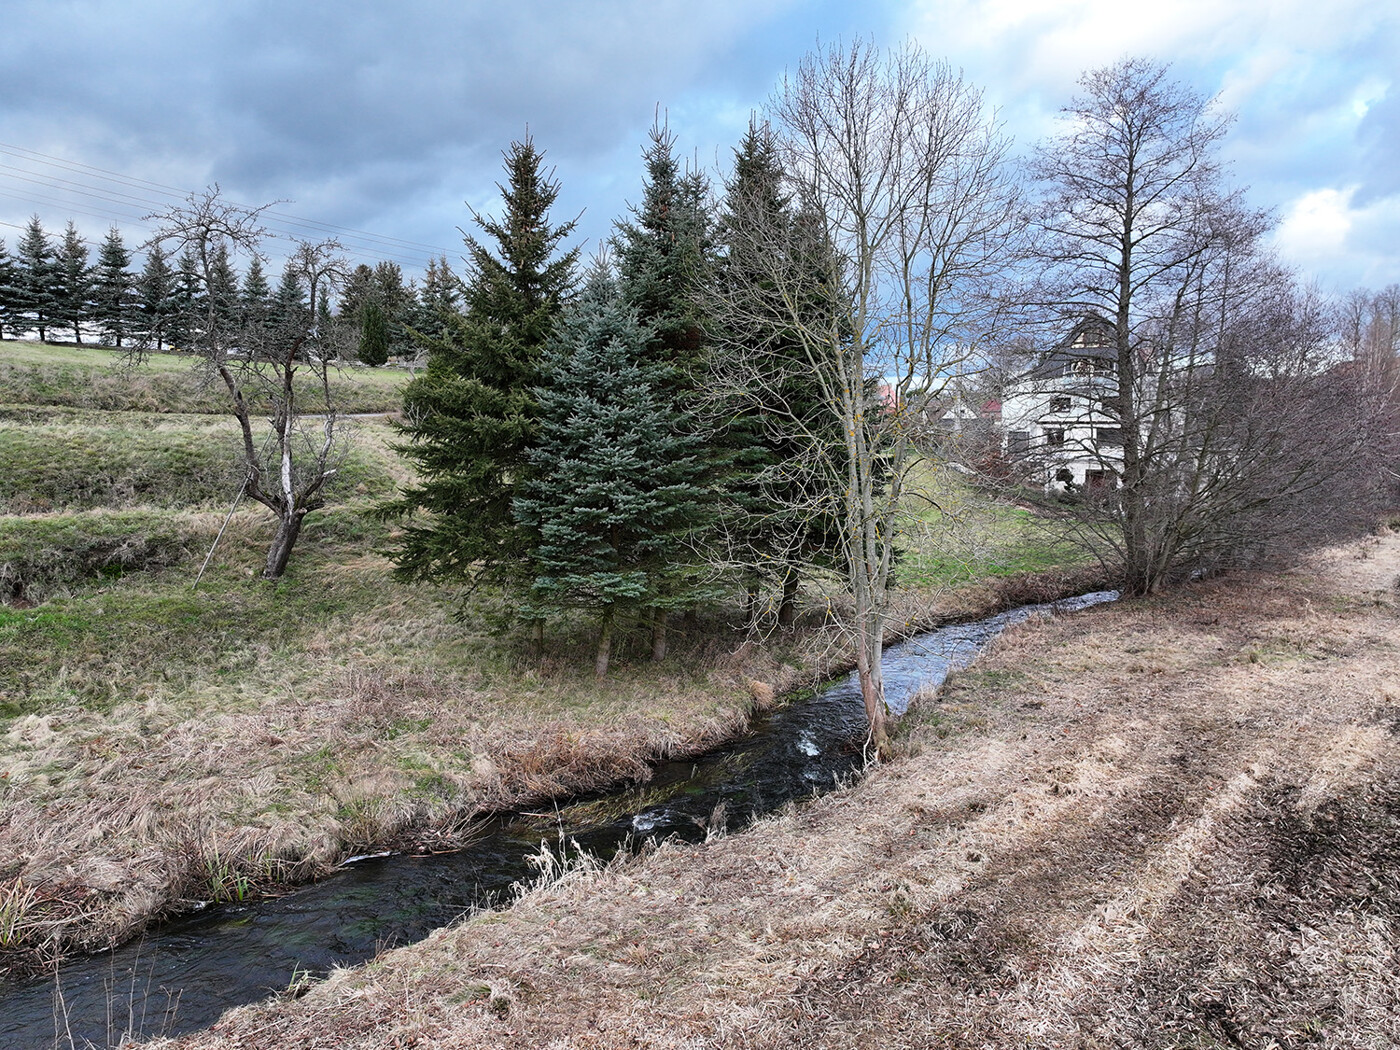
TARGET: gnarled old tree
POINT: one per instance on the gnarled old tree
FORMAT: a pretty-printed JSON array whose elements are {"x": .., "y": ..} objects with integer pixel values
[
  {"x": 267, "y": 364},
  {"x": 1226, "y": 417},
  {"x": 870, "y": 285}
]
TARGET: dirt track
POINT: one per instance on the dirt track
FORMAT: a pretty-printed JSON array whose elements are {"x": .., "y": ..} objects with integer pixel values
[{"x": 1171, "y": 823}]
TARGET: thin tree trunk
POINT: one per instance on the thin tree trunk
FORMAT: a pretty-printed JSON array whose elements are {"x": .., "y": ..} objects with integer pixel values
[
  {"x": 872, "y": 691},
  {"x": 751, "y": 606},
  {"x": 537, "y": 637},
  {"x": 288, "y": 529},
  {"x": 658, "y": 635},
  {"x": 600, "y": 665},
  {"x": 787, "y": 611}
]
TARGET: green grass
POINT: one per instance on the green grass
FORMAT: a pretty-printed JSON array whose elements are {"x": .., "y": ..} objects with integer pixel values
[
  {"x": 78, "y": 459},
  {"x": 953, "y": 534},
  {"x": 100, "y": 378},
  {"x": 43, "y": 555}
]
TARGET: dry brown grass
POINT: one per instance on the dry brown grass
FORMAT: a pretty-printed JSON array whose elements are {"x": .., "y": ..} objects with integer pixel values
[{"x": 1173, "y": 823}]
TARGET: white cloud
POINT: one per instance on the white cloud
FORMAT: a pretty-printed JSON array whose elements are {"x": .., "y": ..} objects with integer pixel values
[{"x": 1316, "y": 225}]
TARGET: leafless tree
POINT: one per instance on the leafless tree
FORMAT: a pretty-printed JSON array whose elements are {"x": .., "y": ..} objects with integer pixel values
[
  {"x": 901, "y": 211},
  {"x": 1225, "y": 415},
  {"x": 267, "y": 365},
  {"x": 1369, "y": 323}
]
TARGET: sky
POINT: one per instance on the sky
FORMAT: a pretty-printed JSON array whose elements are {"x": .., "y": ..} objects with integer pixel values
[{"x": 384, "y": 124}]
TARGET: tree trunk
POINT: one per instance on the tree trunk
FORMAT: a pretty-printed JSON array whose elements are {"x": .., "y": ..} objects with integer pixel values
[
  {"x": 288, "y": 529},
  {"x": 787, "y": 611},
  {"x": 600, "y": 664},
  {"x": 658, "y": 635},
  {"x": 872, "y": 692},
  {"x": 537, "y": 637},
  {"x": 751, "y": 606}
]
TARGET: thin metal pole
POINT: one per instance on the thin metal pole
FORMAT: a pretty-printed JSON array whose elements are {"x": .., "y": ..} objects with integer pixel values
[{"x": 229, "y": 517}]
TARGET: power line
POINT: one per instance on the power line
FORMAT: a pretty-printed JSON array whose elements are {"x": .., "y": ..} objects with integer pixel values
[{"x": 153, "y": 197}]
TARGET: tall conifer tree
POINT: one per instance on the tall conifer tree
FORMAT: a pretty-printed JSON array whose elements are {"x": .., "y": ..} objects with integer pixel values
[
  {"x": 113, "y": 289},
  {"x": 374, "y": 335},
  {"x": 72, "y": 282},
  {"x": 34, "y": 279},
  {"x": 155, "y": 299},
  {"x": 255, "y": 300},
  {"x": 779, "y": 509},
  {"x": 472, "y": 415},
  {"x": 665, "y": 258},
  {"x": 7, "y": 291},
  {"x": 616, "y": 481},
  {"x": 665, "y": 255}
]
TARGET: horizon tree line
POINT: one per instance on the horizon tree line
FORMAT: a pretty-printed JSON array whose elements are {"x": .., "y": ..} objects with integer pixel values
[{"x": 53, "y": 288}]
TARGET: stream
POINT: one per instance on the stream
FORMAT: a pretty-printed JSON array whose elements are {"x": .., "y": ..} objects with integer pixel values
[{"x": 180, "y": 976}]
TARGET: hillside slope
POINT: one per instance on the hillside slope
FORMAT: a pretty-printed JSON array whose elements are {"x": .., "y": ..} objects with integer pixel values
[{"x": 1174, "y": 822}]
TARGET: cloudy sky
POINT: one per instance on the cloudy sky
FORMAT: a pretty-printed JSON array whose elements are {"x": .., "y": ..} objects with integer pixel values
[{"x": 382, "y": 122}]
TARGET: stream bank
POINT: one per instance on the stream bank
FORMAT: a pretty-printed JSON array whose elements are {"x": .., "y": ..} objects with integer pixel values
[
  {"x": 1161, "y": 823},
  {"x": 201, "y": 965}
]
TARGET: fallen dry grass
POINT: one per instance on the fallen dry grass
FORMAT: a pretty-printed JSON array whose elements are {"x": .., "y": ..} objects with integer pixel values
[
  {"x": 1171, "y": 823},
  {"x": 213, "y": 771}
]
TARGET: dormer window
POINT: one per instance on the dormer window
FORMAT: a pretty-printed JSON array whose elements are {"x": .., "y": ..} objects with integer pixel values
[{"x": 1060, "y": 404}]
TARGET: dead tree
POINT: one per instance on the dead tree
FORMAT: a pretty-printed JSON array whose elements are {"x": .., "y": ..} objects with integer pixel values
[{"x": 273, "y": 368}]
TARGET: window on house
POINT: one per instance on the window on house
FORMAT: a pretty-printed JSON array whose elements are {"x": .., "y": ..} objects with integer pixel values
[
  {"x": 1109, "y": 435},
  {"x": 1059, "y": 404},
  {"x": 1055, "y": 436},
  {"x": 1018, "y": 442}
]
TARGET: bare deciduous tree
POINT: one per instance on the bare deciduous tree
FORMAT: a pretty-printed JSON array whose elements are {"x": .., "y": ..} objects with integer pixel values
[
  {"x": 1225, "y": 416},
  {"x": 264, "y": 363},
  {"x": 901, "y": 212}
]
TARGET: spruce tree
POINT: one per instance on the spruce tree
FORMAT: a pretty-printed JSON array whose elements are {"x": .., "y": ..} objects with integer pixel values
[
  {"x": 438, "y": 299},
  {"x": 665, "y": 255},
  {"x": 185, "y": 313},
  {"x": 779, "y": 498},
  {"x": 397, "y": 302},
  {"x": 290, "y": 310},
  {"x": 472, "y": 415},
  {"x": 113, "y": 290},
  {"x": 34, "y": 279},
  {"x": 72, "y": 282},
  {"x": 359, "y": 288},
  {"x": 155, "y": 299},
  {"x": 616, "y": 484},
  {"x": 255, "y": 301},
  {"x": 7, "y": 291},
  {"x": 374, "y": 335},
  {"x": 223, "y": 288},
  {"x": 665, "y": 259}
]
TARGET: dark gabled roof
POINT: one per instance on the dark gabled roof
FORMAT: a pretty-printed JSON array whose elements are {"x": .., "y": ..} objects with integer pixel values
[{"x": 1091, "y": 339}]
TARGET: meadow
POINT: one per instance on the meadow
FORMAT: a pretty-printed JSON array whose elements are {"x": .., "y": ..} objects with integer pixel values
[{"x": 164, "y": 743}]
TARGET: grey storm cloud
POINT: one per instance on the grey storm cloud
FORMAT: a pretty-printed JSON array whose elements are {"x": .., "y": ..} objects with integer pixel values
[
  {"x": 363, "y": 101},
  {"x": 388, "y": 117}
]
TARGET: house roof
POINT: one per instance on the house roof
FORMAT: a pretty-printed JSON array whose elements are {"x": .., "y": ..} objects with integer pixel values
[{"x": 1091, "y": 339}]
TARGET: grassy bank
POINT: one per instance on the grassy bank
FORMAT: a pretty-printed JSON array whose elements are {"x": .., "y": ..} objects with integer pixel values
[
  {"x": 1169, "y": 823},
  {"x": 162, "y": 746},
  {"x": 94, "y": 377}
]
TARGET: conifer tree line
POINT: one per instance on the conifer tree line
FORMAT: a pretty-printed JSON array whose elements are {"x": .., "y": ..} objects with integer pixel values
[
  {"x": 54, "y": 288},
  {"x": 571, "y": 449}
]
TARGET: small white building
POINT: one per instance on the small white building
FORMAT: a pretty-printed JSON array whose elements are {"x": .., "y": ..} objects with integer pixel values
[{"x": 1055, "y": 416}]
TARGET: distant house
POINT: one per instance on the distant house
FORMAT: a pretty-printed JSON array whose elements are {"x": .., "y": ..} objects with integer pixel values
[{"x": 1054, "y": 419}]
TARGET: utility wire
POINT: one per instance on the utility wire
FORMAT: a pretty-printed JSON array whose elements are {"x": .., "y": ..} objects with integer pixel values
[{"x": 152, "y": 197}]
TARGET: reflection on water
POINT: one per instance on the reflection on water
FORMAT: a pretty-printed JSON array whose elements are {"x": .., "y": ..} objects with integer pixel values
[{"x": 183, "y": 975}]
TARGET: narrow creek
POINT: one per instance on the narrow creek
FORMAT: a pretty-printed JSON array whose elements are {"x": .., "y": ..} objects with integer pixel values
[{"x": 182, "y": 975}]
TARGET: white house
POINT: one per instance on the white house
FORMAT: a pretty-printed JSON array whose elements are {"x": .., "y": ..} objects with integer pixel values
[{"x": 1054, "y": 416}]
